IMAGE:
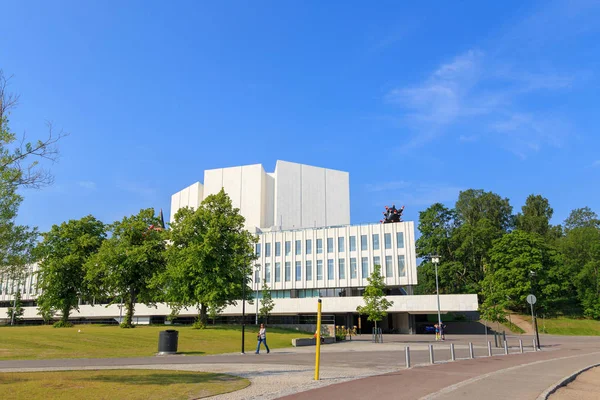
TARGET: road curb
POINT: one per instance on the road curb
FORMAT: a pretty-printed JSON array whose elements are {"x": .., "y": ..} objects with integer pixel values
[{"x": 564, "y": 382}]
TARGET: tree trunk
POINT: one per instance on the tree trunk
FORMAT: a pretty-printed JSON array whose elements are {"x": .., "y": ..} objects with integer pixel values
[
  {"x": 65, "y": 315},
  {"x": 203, "y": 314},
  {"x": 130, "y": 306}
]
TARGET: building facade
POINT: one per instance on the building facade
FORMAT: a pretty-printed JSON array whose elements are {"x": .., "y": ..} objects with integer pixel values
[{"x": 306, "y": 249}]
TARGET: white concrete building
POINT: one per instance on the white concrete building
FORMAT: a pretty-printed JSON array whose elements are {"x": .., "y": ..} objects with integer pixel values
[
  {"x": 306, "y": 249},
  {"x": 294, "y": 196}
]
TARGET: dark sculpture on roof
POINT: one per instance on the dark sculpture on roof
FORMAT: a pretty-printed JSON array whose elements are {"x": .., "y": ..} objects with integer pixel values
[{"x": 392, "y": 214}]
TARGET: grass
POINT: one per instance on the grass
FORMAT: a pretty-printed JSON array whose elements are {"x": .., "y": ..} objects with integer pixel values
[
  {"x": 513, "y": 328},
  {"x": 117, "y": 384},
  {"x": 99, "y": 341},
  {"x": 567, "y": 326}
]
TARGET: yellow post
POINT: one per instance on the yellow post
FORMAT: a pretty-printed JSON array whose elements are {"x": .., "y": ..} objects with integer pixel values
[{"x": 318, "y": 342}]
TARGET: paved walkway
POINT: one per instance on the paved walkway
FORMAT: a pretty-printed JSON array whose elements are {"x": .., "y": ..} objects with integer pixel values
[
  {"x": 585, "y": 387},
  {"x": 359, "y": 369}
]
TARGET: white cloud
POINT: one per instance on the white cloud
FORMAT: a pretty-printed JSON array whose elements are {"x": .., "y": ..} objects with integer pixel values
[
  {"x": 496, "y": 92},
  {"x": 87, "y": 185},
  {"x": 137, "y": 188}
]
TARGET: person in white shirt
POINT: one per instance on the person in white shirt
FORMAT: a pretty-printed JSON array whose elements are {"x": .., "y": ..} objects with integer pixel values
[{"x": 262, "y": 338}]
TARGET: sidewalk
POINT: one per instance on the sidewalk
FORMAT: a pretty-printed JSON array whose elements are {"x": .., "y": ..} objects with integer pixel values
[{"x": 520, "y": 376}]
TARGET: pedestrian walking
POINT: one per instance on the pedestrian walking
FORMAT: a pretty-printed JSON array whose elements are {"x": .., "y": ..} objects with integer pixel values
[
  {"x": 262, "y": 338},
  {"x": 443, "y": 331},
  {"x": 437, "y": 331}
]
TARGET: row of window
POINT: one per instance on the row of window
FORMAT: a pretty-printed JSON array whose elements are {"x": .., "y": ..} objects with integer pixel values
[
  {"x": 387, "y": 271},
  {"x": 364, "y": 245}
]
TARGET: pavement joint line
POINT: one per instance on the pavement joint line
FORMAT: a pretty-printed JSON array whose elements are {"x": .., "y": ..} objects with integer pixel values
[
  {"x": 458, "y": 385},
  {"x": 564, "y": 382}
]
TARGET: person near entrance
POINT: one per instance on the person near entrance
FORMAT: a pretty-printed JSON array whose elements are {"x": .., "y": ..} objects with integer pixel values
[{"x": 262, "y": 338}]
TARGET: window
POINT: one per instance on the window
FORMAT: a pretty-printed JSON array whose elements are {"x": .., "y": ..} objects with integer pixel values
[
  {"x": 330, "y": 270},
  {"x": 352, "y": 243},
  {"x": 376, "y": 241},
  {"x": 288, "y": 247},
  {"x": 267, "y": 249},
  {"x": 353, "y": 268},
  {"x": 330, "y": 245},
  {"x": 400, "y": 240},
  {"x": 277, "y": 249},
  {"x": 309, "y": 270},
  {"x": 267, "y": 270},
  {"x": 389, "y": 268},
  {"x": 364, "y": 264},
  {"x": 298, "y": 271},
  {"x": 363, "y": 242},
  {"x": 319, "y": 246},
  {"x": 342, "y": 268},
  {"x": 388, "y": 240},
  {"x": 277, "y": 272},
  {"x": 341, "y": 244},
  {"x": 308, "y": 246},
  {"x": 258, "y": 249},
  {"x": 288, "y": 271},
  {"x": 319, "y": 270},
  {"x": 298, "y": 247},
  {"x": 401, "y": 267}
]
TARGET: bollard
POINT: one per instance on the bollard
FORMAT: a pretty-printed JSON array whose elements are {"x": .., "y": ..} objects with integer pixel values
[
  {"x": 380, "y": 336},
  {"x": 407, "y": 356},
  {"x": 521, "y": 345},
  {"x": 489, "y": 349},
  {"x": 471, "y": 351},
  {"x": 431, "y": 359},
  {"x": 452, "y": 355},
  {"x": 505, "y": 347}
]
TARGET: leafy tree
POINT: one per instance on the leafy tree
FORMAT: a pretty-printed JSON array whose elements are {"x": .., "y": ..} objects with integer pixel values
[
  {"x": 209, "y": 258},
  {"x": 581, "y": 250},
  {"x": 15, "y": 313},
  {"x": 266, "y": 303},
  {"x": 535, "y": 215},
  {"x": 128, "y": 261},
  {"x": 19, "y": 168},
  {"x": 582, "y": 217},
  {"x": 376, "y": 305},
  {"x": 509, "y": 281},
  {"x": 46, "y": 312},
  {"x": 63, "y": 253},
  {"x": 214, "y": 312}
]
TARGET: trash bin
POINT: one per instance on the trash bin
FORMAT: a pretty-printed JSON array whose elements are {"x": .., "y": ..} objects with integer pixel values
[{"x": 167, "y": 341}]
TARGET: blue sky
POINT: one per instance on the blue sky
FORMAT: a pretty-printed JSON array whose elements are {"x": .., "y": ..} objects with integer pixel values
[{"x": 416, "y": 102}]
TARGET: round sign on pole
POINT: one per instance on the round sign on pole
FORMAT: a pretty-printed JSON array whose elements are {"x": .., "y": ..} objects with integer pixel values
[{"x": 531, "y": 299}]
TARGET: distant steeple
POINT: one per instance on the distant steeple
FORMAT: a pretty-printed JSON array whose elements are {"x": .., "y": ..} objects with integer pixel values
[{"x": 162, "y": 219}]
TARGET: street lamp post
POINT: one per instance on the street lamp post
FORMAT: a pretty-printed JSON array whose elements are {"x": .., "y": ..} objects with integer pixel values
[
  {"x": 436, "y": 260},
  {"x": 257, "y": 266},
  {"x": 533, "y": 317},
  {"x": 243, "y": 310}
]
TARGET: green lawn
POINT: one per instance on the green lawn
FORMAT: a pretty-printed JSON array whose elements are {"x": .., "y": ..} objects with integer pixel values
[
  {"x": 96, "y": 341},
  {"x": 117, "y": 384},
  {"x": 568, "y": 326}
]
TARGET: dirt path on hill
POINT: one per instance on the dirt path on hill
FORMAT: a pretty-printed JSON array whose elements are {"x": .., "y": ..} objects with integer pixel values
[{"x": 522, "y": 323}]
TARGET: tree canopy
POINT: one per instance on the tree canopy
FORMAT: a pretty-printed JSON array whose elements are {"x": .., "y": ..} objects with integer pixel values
[
  {"x": 210, "y": 256},
  {"x": 126, "y": 263},
  {"x": 376, "y": 304},
  {"x": 63, "y": 253}
]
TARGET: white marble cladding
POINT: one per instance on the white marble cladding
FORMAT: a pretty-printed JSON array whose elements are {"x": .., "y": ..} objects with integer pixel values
[
  {"x": 340, "y": 238},
  {"x": 294, "y": 196}
]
